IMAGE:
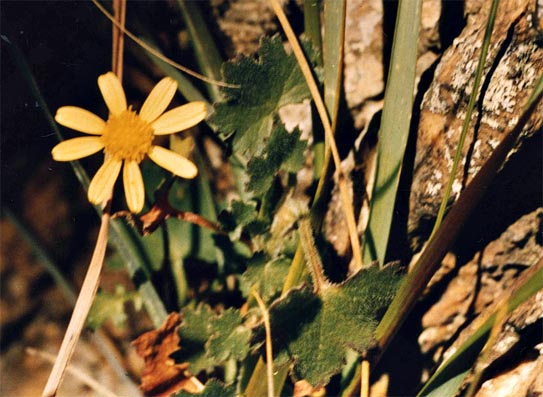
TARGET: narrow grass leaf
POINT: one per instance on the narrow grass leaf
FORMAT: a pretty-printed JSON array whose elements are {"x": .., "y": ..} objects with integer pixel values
[
  {"x": 469, "y": 111},
  {"x": 334, "y": 37},
  {"x": 415, "y": 282},
  {"x": 312, "y": 25},
  {"x": 450, "y": 375},
  {"x": 207, "y": 54},
  {"x": 41, "y": 254},
  {"x": 395, "y": 123}
]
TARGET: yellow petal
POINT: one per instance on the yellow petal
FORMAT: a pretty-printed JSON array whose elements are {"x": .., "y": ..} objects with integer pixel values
[
  {"x": 180, "y": 118},
  {"x": 134, "y": 190},
  {"x": 158, "y": 100},
  {"x": 113, "y": 93},
  {"x": 102, "y": 184},
  {"x": 80, "y": 120},
  {"x": 77, "y": 148},
  {"x": 173, "y": 162}
]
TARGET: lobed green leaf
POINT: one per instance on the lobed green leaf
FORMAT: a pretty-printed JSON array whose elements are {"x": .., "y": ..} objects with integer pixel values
[
  {"x": 315, "y": 330},
  {"x": 247, "y": 113},
  {"x": 284, "y": 151}
]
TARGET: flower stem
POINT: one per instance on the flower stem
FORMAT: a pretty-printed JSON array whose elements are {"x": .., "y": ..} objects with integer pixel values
[{"x": 82, "y": 307}]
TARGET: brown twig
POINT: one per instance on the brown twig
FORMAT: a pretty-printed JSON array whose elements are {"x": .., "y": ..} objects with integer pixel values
[
  {"x": 157, "y": 54},
  {"x": 162, "y": 211},
  {"x": 119, "y": 11}
]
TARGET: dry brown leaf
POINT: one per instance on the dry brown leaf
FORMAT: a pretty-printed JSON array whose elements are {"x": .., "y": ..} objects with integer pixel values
[{"x": 162, "y": 376}]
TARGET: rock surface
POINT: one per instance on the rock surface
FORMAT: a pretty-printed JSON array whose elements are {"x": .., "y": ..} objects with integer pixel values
[{"x": 514, "y": 62}]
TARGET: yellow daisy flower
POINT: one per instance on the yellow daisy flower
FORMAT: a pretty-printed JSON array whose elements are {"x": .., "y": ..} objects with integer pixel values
[{"x": 128, "y": 137}]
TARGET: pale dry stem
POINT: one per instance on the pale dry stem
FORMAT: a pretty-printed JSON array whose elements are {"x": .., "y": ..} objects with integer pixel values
[
  {"x": 365, "y": 379},
  {"x": 321, "y": 109},
  {"x": 81, "y": 309},
  {"x": 75, "y": 371},
  {"x": 269, "y": 346},
  {"x": 92, "y": 278},
  {"x": 157, "y": 54}
]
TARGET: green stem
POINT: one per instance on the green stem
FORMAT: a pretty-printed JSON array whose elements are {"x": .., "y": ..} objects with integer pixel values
[
  {"x": 469, "y": 111},
  {"x": 415, "y": 282},
  {"x": 312, "y": 25},
  {"x": 125, "y": 242},
  {"x": 207, "y": 54}
]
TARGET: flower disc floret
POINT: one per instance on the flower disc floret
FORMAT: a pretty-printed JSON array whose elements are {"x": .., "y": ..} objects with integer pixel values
[{"x": 127, "y": 137}]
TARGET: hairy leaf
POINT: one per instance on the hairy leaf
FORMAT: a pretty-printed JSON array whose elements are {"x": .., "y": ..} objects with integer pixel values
[
  {"x": 265, "y": 85},
  {"x": 284, "y": 151},
  {"x": 208, "y": 340},
  {"x": 242, "y": 216},
  {"x": 316, "y": 329},
  {"x": 230, "y": 338},
  {"x": 195, "y": 332},
  {"x": 265, "y": 275}
]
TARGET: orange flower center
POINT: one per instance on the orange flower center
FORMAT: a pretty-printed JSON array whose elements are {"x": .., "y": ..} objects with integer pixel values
[{"x": 127, "y": 136}]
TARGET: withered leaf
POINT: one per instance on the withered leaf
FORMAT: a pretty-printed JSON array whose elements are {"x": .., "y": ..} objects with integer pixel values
[{"x": 162, "y": 376}]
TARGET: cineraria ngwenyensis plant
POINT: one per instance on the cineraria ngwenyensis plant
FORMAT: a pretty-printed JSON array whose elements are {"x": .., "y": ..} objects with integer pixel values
[{"x": 272, "y": 309}]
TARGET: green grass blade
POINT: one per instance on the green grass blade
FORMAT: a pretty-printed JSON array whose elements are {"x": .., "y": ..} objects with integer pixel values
[
  {"x": 450, "y": 375},
  {"x": 51, "y": 267},
  {"x": 125, "y": 242},
  {"x": 207, "y": 54},
  {"x": 41, "y": 254},
  {"x": 208, "y": 210},
  {"x": 395, "y": 123},
  {"x": 469, "y": 111},
  {"x": 25, "y": 71},
  {"x": 334, "y": 37},
  {"x": 130, "y": 247},
  {"x": 184, "y": 86},
  {"x": 312, "y": 29},
  {"x": 312, "y": 25},
  {"x": 415, "y": 282}
]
